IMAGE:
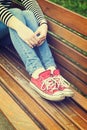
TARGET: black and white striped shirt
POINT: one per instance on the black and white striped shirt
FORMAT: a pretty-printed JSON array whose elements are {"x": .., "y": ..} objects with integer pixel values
[
  {"x": 6, "y": 3},
  {"x": 32, "y": 5}
]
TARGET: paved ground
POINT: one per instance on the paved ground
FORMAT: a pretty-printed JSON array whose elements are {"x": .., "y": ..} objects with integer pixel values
[{"x": 4, "y": 123}]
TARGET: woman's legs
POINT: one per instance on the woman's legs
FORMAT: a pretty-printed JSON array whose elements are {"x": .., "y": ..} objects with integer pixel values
[
  {"x": 43, "y": 51},
  {"x": 27, "y": 54},
  {"x": 45, "y": 84},
  {"x": 3, "y": 30},
  {"x": 4, "y": 35}
]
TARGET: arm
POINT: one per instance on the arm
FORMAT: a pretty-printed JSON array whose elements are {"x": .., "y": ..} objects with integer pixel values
[
  {"x": 25, "y": 33},
  {"x": 5, "y": 15},
  {"x": 8, "y": 18},
  {"x": 35, "y": 8},
  {"x": 11, "y": 21}
]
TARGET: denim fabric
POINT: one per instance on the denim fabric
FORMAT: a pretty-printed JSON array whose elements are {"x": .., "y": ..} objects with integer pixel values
[
  {"x": 33, "y": 58},
  {"x": 3, "y": 30}
]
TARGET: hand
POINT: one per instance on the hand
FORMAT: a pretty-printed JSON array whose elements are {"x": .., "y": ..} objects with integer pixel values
[
  {"x": 25, "y": 33},
  {"x": 41, "y": 32},
  {"x": 28, "y": 36}
]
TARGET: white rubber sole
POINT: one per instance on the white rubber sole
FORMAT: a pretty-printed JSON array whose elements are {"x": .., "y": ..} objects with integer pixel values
[
  {"x": 57, "y": 97},
  {"x": 68, "y": 93}
]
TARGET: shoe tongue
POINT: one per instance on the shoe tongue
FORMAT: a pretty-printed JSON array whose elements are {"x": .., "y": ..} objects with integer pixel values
[
  {"x": 45, "y": 74},
  {"x": 56, "y": 72}
]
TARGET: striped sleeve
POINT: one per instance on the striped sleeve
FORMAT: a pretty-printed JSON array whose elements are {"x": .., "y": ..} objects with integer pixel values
[
  {"x": 35, "y": 8},
  {"x": 5, "y": 15}
]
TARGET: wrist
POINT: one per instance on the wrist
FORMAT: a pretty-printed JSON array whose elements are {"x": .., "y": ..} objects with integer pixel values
[{"x": 42, "y": 22}]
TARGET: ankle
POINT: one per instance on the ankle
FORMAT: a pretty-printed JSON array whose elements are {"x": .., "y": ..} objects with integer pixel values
[
  {"x": 52, "y": 68},
  {"x": 36, "y": 73}
]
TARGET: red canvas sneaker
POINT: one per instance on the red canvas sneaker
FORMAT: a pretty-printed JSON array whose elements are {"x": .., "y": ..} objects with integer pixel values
[
  {"x": 62, "y": 84},
  {"x": 46, "y": 86}
]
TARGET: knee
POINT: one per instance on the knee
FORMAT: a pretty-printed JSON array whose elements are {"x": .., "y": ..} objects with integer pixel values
[
  {"x": 15, "y": 11},
  {"x": 28, "y": 13}
]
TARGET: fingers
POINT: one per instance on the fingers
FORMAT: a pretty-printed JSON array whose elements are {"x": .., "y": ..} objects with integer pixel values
[
  {"x": 26, "y": 41},
  {"x": 41, "y": 41},
  {"x": 33, "y": 41}
]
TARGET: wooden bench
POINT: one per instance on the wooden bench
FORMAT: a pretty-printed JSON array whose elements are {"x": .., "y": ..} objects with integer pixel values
[{"x": 23, "y": 107}]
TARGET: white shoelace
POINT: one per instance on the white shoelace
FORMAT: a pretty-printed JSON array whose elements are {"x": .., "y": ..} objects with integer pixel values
[
  {"x": 50, "y": 84},
  {"x": 61, "y": 81}
]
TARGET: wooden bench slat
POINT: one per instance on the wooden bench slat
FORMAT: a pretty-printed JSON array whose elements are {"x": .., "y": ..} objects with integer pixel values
[
  {"x": 72, "y": 105},
  {"x": 43, "y": 119},
  {"x": 81, "y": 74},
  {"x": 69, "y": 110},
  {"x": 79, "y": 98},
  {"x": 65, "y": 16},
  {"x": 27, "y": 102},
  {"x": 74, "y": 70},
  {"x": 68, "y": 51},
  {"x": 14, "y": 113},
  {"x": 68, "y": 35}
]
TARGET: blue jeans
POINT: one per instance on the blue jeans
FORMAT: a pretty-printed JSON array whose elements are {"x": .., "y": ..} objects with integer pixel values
[
  {"x": 3, "y": 30},
  {"x": 33, "y": 58}
]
